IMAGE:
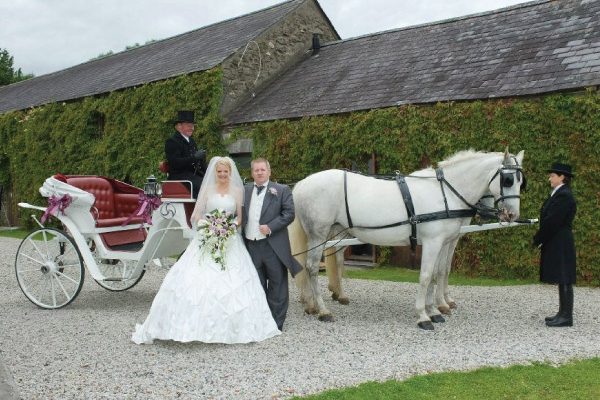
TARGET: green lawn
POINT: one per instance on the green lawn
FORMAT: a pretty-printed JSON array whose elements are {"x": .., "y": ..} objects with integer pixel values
[
  {"x": 14, "y": 233},
  {"x": 396, "y": 274},
  {"x": 575, "y": 380}
]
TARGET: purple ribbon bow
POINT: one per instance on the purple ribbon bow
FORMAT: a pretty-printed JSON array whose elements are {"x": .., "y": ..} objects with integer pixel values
[
  {"x": 56, "y": 204},
  {"x": 146, "y": 207}
]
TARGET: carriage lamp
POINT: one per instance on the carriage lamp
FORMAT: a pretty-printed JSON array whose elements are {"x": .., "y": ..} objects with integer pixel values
[{"x": 152, "y": 188}]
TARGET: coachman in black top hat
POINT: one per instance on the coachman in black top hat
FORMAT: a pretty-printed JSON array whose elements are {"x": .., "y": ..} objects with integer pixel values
[
  {"x": 561, "y": 169},
  {"x": 555, "y": 237},
  {"x": 186, "y": 161}
]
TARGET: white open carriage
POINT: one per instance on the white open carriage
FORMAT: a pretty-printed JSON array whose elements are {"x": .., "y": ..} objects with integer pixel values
[{"x": 104, "y": 228}]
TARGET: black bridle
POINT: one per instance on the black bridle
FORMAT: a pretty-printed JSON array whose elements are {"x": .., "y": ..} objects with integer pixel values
[{"x": 509, "y": 174}]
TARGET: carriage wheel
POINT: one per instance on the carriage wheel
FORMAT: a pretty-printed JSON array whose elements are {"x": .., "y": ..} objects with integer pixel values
[
  {"x": 120, "y": 274},
  {"x": 49, "y": 268}
]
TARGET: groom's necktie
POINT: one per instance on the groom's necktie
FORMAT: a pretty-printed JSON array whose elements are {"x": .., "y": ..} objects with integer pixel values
[{"x": 259, "y": 189}]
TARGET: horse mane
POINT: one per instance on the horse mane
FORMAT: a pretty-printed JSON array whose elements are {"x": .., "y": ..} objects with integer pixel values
[
  {"x": 462, "y": 156},
  {"x": 453, "y": 159}
]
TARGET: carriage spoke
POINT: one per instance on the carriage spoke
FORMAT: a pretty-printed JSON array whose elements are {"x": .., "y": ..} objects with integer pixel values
[
  {"x": 69, "y": 251},
  {"x": 53, "y": 292},
  {"x": 38, "y": 251},
  {"x": 69, "y": 265},
  {"x": 45, "y": 235},
  {"x": 67, "y": 277},
  {"x": 62, "y": 287},
  {"x": 28, "y": 270}
]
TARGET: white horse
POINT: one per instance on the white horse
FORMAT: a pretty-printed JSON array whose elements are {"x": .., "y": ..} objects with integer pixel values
[
  {"x": 334, "y": 266},
  {"x": 374, "y": 211}
]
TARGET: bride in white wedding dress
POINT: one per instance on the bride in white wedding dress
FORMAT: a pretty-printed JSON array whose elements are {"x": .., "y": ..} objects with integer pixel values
[{"x": 201, "y": 300}]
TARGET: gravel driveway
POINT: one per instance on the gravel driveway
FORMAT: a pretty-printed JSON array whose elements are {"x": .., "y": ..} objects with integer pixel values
[{"x": 84, "y": 351}]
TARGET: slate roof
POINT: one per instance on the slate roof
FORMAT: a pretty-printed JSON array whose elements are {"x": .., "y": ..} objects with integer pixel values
[
  {"x": 197, "y": 50},
  {"x": 532, "y": 48}
]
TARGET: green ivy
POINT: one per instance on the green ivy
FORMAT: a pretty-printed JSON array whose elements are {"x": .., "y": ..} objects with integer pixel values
[
  {"x": 407, "y": 138},
  {"x": 60, "y": 137}
]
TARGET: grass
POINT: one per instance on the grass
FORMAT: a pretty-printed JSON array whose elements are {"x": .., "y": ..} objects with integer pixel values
[
  {"x": 575, "y": 380},
  {"x": 14, "y": 233},
  {"x": 396, "y": 274}
]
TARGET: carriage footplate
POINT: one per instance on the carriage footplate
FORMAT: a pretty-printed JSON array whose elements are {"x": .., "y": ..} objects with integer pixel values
[{"x": 133, "y": 247}]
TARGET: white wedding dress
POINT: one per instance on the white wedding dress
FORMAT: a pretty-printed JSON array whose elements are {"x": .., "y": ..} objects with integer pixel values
[{"x": 198, "y": 301}]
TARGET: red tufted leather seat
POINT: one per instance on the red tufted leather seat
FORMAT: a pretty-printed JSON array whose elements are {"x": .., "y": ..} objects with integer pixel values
[{"x": 115, "y": 202}]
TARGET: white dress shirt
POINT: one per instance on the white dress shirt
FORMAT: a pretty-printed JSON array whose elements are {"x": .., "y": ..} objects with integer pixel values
[{"x": 256, "y": 202}]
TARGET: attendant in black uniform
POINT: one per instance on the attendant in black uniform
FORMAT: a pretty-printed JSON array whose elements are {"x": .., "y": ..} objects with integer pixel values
[
  {"x": 555, "y": 237},
  {"x": 186, "y": 161}
]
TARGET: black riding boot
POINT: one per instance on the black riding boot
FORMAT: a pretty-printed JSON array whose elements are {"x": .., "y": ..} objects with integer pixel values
[
  {"x": 560, "y": 306},
  {"x": 565, "y": 317}
]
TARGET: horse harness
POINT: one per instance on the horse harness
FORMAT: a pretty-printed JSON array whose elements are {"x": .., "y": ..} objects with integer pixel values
[{"x": 506, "y": 180}]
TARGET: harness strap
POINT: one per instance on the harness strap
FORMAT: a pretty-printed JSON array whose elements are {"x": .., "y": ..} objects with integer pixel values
[
  {"x": 410, "y": 210},
  {"x": 350, "y": 225},
  {"x": 439, "y": 174}
]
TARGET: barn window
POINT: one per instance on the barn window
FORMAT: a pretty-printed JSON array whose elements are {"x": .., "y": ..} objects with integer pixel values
[{"x": 95, "y": 124}]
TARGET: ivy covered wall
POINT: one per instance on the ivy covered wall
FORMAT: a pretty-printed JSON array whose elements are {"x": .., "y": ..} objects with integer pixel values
[
  {"x": 121, "y": 134},
  {"x": 557, "y": 127}
]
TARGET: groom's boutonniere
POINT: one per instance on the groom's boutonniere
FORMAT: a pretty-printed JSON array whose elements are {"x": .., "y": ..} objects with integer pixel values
[{"x": 273, "y": 191}]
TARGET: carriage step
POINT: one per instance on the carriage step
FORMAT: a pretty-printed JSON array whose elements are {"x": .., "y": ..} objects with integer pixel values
[{"x": 115, "y": 279}]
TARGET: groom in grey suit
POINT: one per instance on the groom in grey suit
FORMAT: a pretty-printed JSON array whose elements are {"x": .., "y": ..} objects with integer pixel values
[{"x": 268, "y": 210}]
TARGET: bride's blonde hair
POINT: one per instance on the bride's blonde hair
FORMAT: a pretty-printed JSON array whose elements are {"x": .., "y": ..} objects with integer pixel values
[{"x": 225, "y": 162}]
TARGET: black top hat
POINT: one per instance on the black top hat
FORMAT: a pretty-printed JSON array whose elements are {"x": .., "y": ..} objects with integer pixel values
[
  {"x": 561, "y": 169},
  {"x": 185, "y": 116}
]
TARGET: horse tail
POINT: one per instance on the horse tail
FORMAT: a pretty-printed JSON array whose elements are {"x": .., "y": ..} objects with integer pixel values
[{"x": 299, "y": 245}]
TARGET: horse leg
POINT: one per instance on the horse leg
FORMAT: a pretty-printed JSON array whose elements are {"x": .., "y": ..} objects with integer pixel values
[
  {"x": 430, "y": 308},
  {"x": 431, "y": 249},
  {"x": 334, "y": 264},
  {"x": 312, "y": 266},
  {"x": 332, "y": 274},
  {"x": 303, "y": 284},
  {"x": 444, "y": 301}
]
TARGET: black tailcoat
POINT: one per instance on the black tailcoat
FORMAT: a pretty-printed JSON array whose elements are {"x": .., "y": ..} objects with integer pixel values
[
  {"x": 182, "y": 164},
  {"x": 557, "y": 262}
]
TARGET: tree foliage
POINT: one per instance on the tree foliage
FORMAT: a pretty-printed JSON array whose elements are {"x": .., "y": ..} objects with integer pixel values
[{"x": 8, "y": 74}]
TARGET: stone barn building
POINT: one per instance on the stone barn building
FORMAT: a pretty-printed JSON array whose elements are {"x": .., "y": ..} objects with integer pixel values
[{"x": 526, "y": 74}]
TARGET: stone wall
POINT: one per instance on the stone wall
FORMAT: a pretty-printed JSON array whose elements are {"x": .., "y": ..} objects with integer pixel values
[{"x": 283, "y": 45}]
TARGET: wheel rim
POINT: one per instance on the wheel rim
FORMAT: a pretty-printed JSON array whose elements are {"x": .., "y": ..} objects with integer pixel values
[
  {"x": 120, "y": 274},
  {"x": 49, "y": 268}
]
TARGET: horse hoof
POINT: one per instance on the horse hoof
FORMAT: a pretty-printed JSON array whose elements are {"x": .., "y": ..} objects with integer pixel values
[
  {"x": 426, "y": 325},
  {"x": 344, "y": 300},
  {"x": 437, "y": 318},
  {"x": 310, "y": 311},
  {"x": 445, "y": 310},
  {"x": 326, "y": 318},
  {"x": 452, "y": 304},
  {"x": 334, "y": 296}
]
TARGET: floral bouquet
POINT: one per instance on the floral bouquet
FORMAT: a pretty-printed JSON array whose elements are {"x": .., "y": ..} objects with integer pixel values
[{"x": 213, "y": 233}]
